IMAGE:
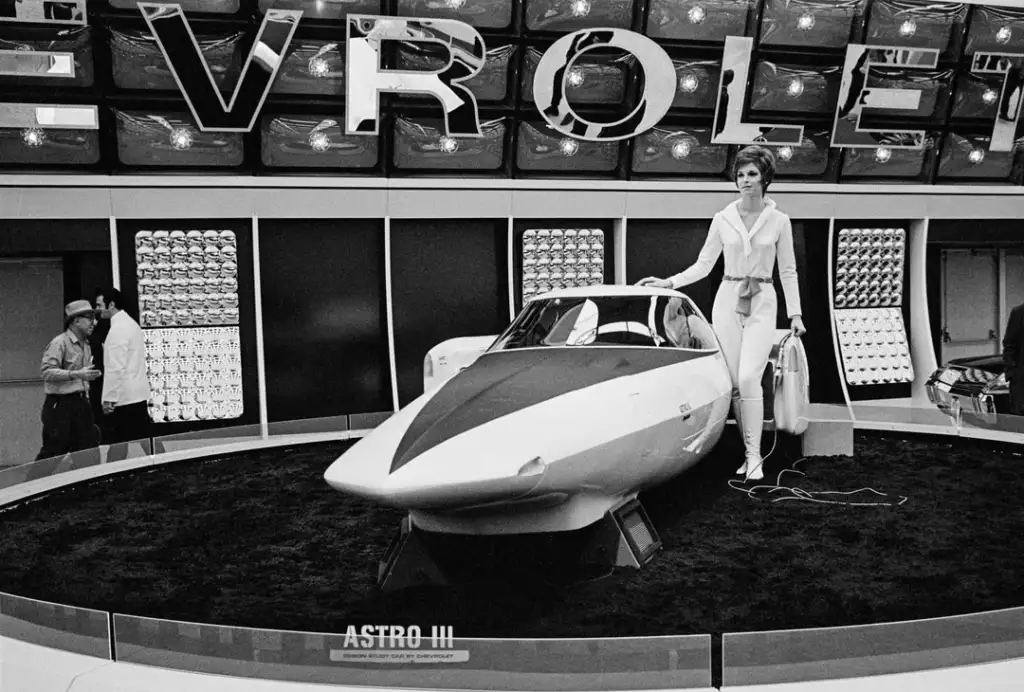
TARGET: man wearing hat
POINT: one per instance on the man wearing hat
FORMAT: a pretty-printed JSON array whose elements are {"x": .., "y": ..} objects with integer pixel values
[{"x": 67, "y": 369}]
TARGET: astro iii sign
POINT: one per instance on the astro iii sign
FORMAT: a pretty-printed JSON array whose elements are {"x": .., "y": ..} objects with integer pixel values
[{"x": 366, "y": 80}]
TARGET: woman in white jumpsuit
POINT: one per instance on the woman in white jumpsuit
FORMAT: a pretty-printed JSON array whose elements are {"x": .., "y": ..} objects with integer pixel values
[{"x": 752, "y": 233}]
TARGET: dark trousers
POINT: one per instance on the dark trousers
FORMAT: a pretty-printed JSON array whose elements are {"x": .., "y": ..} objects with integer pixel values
[
  {"x": 68, "y": 426},
  {"x": 126, "y": 424},
  {"x": 1016, "y": 405}
]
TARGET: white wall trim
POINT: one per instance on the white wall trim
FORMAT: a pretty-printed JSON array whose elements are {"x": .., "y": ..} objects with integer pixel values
[
  {"x": 555, "y": 184},
  {"x": 221, "y": 198},
  {"x": 922, "y": 349},
  {"x": 390, "y": 313},
  {"x": 837, "y": 350},
  {"x": 619, "y": 240},
  {"x": 261, "y": 365},
  {"x": 511, "y": 249},
  {"x": 115, "y": 256}
]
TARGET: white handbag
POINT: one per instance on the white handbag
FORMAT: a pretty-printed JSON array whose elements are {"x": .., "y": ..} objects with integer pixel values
[{"x": 792, "y": 385}]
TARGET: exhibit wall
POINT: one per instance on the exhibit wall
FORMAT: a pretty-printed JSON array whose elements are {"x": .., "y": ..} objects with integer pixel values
[
  {"x": 131, "y": 91},
  {"x": 334, "y": 315},
  {"x": 299, "y": 245}
]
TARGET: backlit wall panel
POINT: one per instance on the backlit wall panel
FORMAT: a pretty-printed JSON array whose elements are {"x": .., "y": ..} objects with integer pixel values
[
  {"x": 189, "y": 279},
  {"x": 190, "y": 285},
  {"x": 874, "y": 346},
  {"x": 871, "y": 308},
  {"x": 560, "y": 253},
  {"x": 555, "y": 258},
  {"x": 795, "y": 75},
  {"x": 195, "y": 373}
]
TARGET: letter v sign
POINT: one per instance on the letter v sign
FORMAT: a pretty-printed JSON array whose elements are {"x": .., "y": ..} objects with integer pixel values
[{"x": 184, "y": 57}]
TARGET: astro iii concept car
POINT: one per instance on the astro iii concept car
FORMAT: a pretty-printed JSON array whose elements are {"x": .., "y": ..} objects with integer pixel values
[{"x": 589, "y": 397}]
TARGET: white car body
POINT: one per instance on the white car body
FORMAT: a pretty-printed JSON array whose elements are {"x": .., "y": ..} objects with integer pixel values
[{"x": 543, "y": 438}]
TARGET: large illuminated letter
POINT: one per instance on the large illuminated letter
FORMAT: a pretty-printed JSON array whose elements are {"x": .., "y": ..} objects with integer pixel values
[
  {"x": 185, "y": 58},
  {"x": 854, "y": 96},
  {"x": 729, "y": 127},
  {"x": 365, "y": 79},
  {"x": 1011, "y": 66},
  {"x": 549, "y": 84}
]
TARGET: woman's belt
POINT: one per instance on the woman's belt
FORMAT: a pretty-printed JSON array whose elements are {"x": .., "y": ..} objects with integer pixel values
[{"x": 750, "y": 286}]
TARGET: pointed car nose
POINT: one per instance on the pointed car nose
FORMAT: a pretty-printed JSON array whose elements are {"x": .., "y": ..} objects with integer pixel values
[
  {"x": 505, "y": 425},
  {"x": 430, "y": 483}
]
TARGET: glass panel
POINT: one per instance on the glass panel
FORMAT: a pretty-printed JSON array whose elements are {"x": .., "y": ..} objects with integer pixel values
[
  {"x": 761, "y": 658},
  {"x": 41, "y": 64},
  {"x": 198, "y": 439},
  {"x": 46, "y": 11},
  {"x": 309, "y": 426},
  {"x": 653, "y": 321},
  {"x": 900, "y": 414},
  {"x": 79, "y": 630},
  {"x": 44, "y": 468},
  {"x": 550, "y": 664},
  {"x": 50, "y": 116}
]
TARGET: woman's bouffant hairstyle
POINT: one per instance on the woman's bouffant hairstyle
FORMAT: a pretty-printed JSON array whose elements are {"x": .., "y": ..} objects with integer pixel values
[{"x": 762, "y": 159}]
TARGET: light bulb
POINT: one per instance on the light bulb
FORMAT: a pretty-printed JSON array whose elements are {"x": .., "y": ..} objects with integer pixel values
[
  {"x": 680, "y": 150},
  {"x": 806, "y": 22},
  {"x": 796, "y": 87},
  {"x": 448, "y": 145},
  {"x": 990, "y": 96},
  {"x": 318, "y": 68},
  {"x": 319, "y": 141},
  {"x": 883, "y": 154},
  {"x": 976, "y": 156},
  {"x": 33, "y": 137},
  {"x": 580, "y": 8},
  {"x": 689, "y": 83},
  {"x": 785, "y": 153},
  {"x": 1004, "y": 34},
  {"x": 908, "y": 28},
  {"x": 575, "y": 77},
  {"x": 697, "y": 14},
  {"x": 568, "y": 146},
  {"x": 181, "y": 138}
]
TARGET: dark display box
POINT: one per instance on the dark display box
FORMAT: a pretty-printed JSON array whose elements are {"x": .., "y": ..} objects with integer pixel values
[
  {"x": 161, "y": 138},
  {"x": 75, "y": 40},
  {"x": 818, "y": 24},
  {"x": 680, "y": 151},
  {"x": 542, "y": 148},
  {"x": 315, "y": 141},
  {"x": 421, "y": 144},
  {"x": 698, "y": 20}
]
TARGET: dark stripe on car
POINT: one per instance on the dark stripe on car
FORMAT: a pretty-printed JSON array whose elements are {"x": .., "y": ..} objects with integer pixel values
[{"x": 504, "y": 382}]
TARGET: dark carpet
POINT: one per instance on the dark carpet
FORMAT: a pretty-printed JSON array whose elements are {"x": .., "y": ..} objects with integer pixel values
[{"x": 260, "y": 540}]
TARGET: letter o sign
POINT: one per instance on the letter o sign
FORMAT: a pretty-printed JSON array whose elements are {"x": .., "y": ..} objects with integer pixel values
[{"x": 549, "y": 84}]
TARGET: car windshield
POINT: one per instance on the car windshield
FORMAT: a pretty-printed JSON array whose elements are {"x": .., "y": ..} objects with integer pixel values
[{"x": 652, "y": 321}]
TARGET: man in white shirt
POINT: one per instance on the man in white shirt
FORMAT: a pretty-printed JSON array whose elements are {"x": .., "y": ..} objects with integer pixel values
[{"x": 125, "y": 381}]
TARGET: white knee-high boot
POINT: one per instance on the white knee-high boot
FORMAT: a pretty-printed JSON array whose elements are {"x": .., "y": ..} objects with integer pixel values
[
  {"x": 737, "y": 413},
  {"x": 753, "y": 423}
]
